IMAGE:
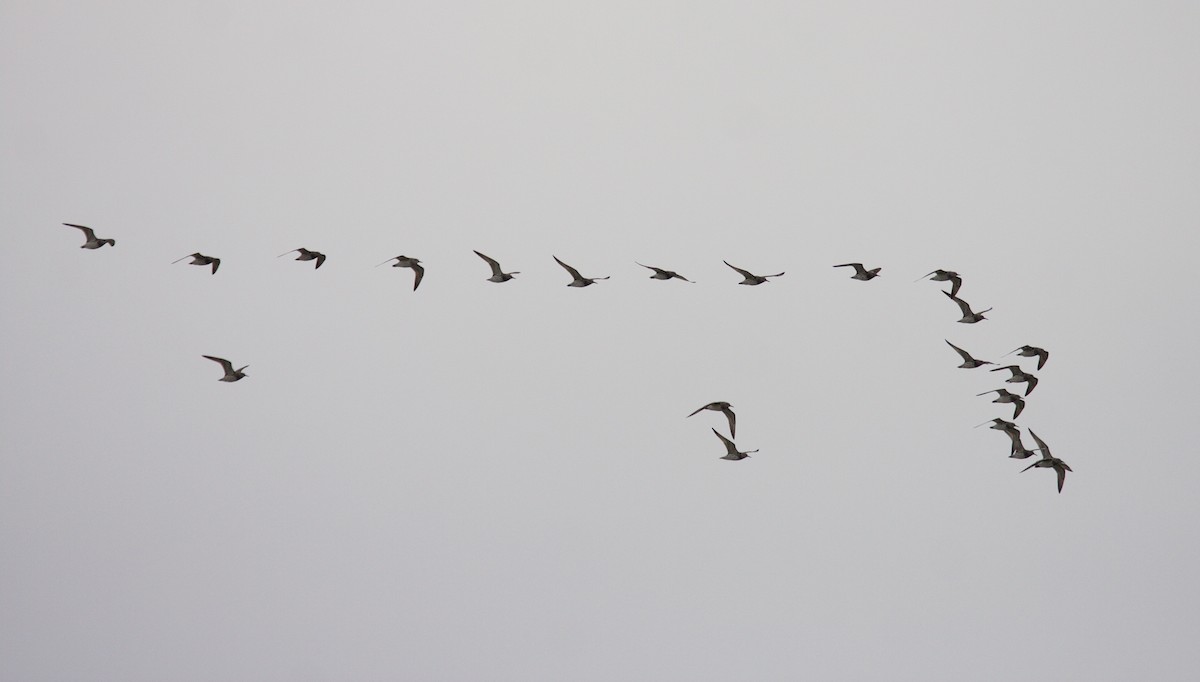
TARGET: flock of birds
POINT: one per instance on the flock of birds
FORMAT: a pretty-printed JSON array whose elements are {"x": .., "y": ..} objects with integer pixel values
[{"x": 861, "y": 273}]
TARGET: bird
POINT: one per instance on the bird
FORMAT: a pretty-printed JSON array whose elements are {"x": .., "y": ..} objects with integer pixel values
[
  {"x": 305, "y": 254},
  {"x": 968, "y": 361},
  {"x": 945, "y": 276},
  {"x": 579, "y": 280},
  {"x": 1049, "y": 461},
  {"x": 1019, "y": 376},
  {"x": 861, "y": 273},
  {"x": 1006, "y": 397},
  {"x": 231, "y": 374},
  {"x": 92, "y": 241},
  {"x": 403, "y": 261},
  {"x": 969, "y": 316},
  {"x": 201, "y": 259},
  {"x": 721, "y": 407},
  {"x": 1018, "y": 448},
  {"x": 731, "y": 451},
  {"x": 498, "y": 275},
  {"x": 751, "y": 278},
  {"x": 1029, "y": 351},
  {"x": 659, "y": 273}
]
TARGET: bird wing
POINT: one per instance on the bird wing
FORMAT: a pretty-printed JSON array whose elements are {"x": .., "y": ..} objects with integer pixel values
[
  {"x": 679, "y": 276},
  {"x": 216, "y": 263},
  {"x": 745, "y": 273},
  {"x": 955, "y": 283},
  {"x": 858, "y": 267},
  {"x": 924, "y": 276},
  {"x": 1030, "y": 382},
  {"x": 227, "y": 365},
  {"x": 418, "y": 275},
  {"x": 1020, "y": 407},
  {"x": 86, "y": 230},
  {"x": 698, "y": 411},
  {"x": 394, "y": 258},
  {"x": 962, "y": 305},
  {"x": 287, "y": 252},
  {"x": 730, "y": 448},
  {"x": 965, "y": 355},
  {"x": 732, "y": 421},
  {"x": 1043, "y": 356},
  {"x": 320, "y": 260},
  {"x": 190, "y": 255},
  {"x": 492, "y": 262},
  {"x": 1041, "y": 445},
  {"x": 651, "y": 267},
  {"x": 1062, "y": 476},
  {"x": 568, "y": 268}
]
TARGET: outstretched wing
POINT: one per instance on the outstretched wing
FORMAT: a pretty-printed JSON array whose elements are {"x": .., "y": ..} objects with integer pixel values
[
  {"x": 87, "y": 231},
  {"x": 858, "y": 267},
  {"x": 962, "y": 305},
  {"x": 320, "y": 260},
  {"x": 732, "y": 421},
  {"x": 730, "y": 448},
  {"x": 965, "y": 355},
  {"x": 216, "y": 263},
  {"x": 492, "y": 262},
  {"x": 568, "y": 268},
  {"x": 1043, "y": 355},
  {"x": 225, "y": 364},
  {"x": 1041, "y": 445},
  {"x": 744, "y": 273},
  {"x": 418, "y": 275}
]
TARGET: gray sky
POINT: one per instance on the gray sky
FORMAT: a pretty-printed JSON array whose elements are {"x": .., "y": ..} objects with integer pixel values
[{"x": 482, "y": 481}]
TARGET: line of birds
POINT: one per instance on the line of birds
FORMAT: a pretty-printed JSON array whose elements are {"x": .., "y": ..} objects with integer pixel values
[{"x": 861, "y": 273}]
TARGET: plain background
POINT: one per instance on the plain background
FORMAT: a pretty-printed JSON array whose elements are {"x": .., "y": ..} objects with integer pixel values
[{"x": 479, "y": 481}]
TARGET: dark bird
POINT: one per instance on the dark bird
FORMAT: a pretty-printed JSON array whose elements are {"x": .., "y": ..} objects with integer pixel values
[
  {"x": 659, "y": 273},
  {"x": 579, "y": 280},
  {"x": 861, "y": 273},
  {"x": 969, "y": 316},
  {"x": 1018, "y": 448},
  {"x": 1048, "y": 461},
  {"x": 752, "y": 279},
  {"x": 968, "y": 361},
  {"x": 721, "y": 407},
  {"x": 92, "y": 241},
  {"x": 305, "y": 254},
  {"x": 498, "y": 275},
  {"x": 1029, "y": 351},
  {"x": 945, "y": 276},
  {"x": 1006, "y": 397},
  {"x": 1019, "y": 376},
  {"x": 231, "y": 374},
  {"x": 201, "y": 259},
  {"x": 403, "y": 261},
  {"x": 731, "y": 451}
]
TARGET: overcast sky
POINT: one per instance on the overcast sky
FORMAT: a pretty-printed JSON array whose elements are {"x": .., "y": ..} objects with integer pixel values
[{"x": 480, "y": 481}]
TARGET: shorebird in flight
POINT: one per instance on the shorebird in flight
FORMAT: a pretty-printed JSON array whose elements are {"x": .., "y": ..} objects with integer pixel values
[
  {"x": 305, "y": 254},
  {"x": 751, "y": 278},
  {"x": 1006, "y": 397},
  {"x": 231, "y": 374},
  {"x": 92, "y": 241},
  {"x": 201, "y": 259},
  {"x": 969, "y": 316},
  {"x": 1029, "y": 351},
  {"x": 1049, "y": 461},
  {"x": 1018, "y": 448},
  {"x": 498, "y": 275},
  {"x": 725, "y": 408},
  {"x": 403, "y": 261},
  {"x": 861, "y": 273},
  {"x": 659, "y": 273},
  {"x": 579, "y": 280},
  {"x": 968, "y": 361},
  {"x": 1019, "y": 376},
  {"x": 945, "y": 276},
  {"x": 731, "y": 451}
]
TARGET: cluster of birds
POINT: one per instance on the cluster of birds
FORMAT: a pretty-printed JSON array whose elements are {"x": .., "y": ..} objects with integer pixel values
[{"x": 861, "y": 273}]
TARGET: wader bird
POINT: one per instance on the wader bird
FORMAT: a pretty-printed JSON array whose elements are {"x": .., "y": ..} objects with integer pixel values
[
  {"x": 1019, "y": 376},
  {"x": 231, "y": 374},
  {"x": 305, "y": 254},
  {"x": 969, "y": 316},
  {"x": 579, "y": 280},
  {"x": 1006, "y": 397},
  {"x": 498, "y": 275},
  {"x": 731, "y": 451},
  {"x": 1048, "y": 461},
  {"x": 721, "y": 407},
  {"x": 92, "y": 242},
  {"x": 861, "y": 273},
  {"x": 751, "y": 278},
  {"x": 1029, "y": 351},
  {"x": 659, "y": 273},
  {"x": 968, "y": 361},
  {"x": 201, "y": 259},
  {"x": 403, "y": 261},
  {"x": 945, "y": 276}
]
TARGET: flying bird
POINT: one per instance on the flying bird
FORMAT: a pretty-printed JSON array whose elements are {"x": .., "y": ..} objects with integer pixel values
[
  {"x": 659, "y": 273},
  {"x": 751, "y": 279},
  {"x": 725, "y": 408},
  {"x": 305, "y": 254},
  {"x": 1006, "y": 397},
  {"x": 498, "y": 275},
  {"x": 579, "y": 280},
  {"x": 231, "y": 374},
  {"x": 92, "y": 241},
  {"x": 1018, "y": 448},
  {"x": 403, "y": 261},
  {"x": 201, "y": 259},
  {"x": 1019, "y": 376},
  {"x": 968, "y": 361},
  {"x": 945, "y": 276},
  {"x": 731, "y": 451},
  {"x": 1029, "y": 351},
  {"x": 861, "y": 273},
  {"x": 969, "y": 316},
  {"x": 1049, "y": 461}
]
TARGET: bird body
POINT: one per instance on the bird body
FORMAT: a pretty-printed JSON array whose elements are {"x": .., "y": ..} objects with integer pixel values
[
  {"x": 1006, "y": 397},
  {"x": 945, "y": 276},
  {"x": 752, "y": 279},
  {"x": 731, "y": 451},
  {"x": 578, "y": 279},
  {"x": 403, "y": 261},
  {"x": 969, "y": 316},
  {"x": 498, "y": 275},
  {"x": 231, "y": 374},
  {"x": 660, "y": 273},
  {"x": 968, "y": 361},
  {"x": 861, "y": 273},
  {"x": 92, "y": 242},
  {"x": 306, "y": 254},
  {"x": 201, "y": 259},
  {"x": 725, "y": 408}
]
